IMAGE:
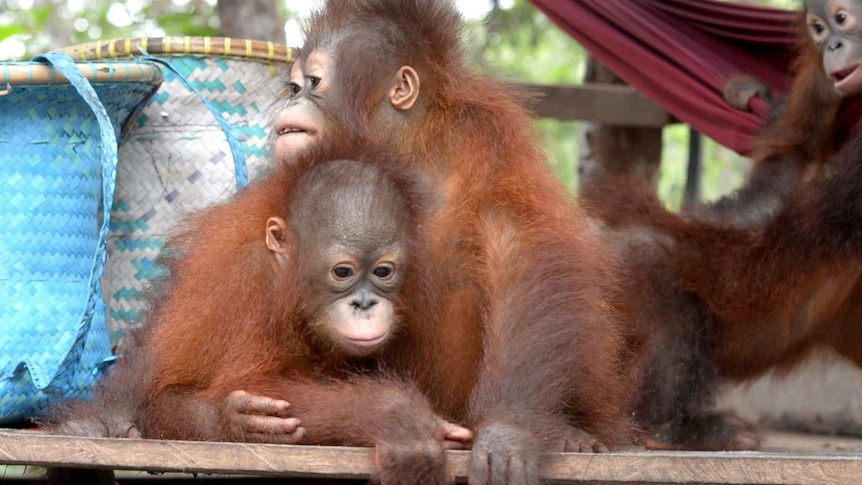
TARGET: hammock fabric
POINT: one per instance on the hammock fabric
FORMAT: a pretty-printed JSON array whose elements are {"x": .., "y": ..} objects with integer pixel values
[{"x": 679, "y": 53}]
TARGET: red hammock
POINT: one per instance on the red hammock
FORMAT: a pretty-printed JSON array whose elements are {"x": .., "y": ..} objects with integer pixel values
[{"x": 680, "y": 52}]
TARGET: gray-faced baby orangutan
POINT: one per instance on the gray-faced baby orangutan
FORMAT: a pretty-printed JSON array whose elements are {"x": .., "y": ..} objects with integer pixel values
[{"x": 306, "y": 336}]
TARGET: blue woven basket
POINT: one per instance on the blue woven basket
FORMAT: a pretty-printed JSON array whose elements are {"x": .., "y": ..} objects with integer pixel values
[
  {"x": 178, "y": 158},
  {"x": 58, "y": 153}
]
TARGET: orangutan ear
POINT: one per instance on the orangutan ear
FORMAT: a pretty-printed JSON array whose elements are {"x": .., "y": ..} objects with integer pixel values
[
  {"x": 405, "y": 91},
  {"x": 276, "y": 228}
]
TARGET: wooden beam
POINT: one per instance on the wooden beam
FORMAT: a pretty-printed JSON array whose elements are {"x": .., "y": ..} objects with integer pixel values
[
  {"x": 602, "y": 103},
  {"x": 778, "y": 468}
]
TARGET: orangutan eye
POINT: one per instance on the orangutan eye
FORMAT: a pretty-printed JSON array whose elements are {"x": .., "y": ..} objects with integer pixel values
[
  {"x": 383, "y": 271},
  {"x": 315, "y": 81},
  {"x": 840, "y": 18},
  {"x": 342, "y": 272},
  {"x": 293, "y": 89}
]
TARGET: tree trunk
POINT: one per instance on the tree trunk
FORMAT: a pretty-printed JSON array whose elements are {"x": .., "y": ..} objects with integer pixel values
[{"x": 251, "y": 19}]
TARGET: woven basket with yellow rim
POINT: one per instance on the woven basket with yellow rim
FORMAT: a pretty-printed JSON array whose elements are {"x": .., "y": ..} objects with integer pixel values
[{"x": 177, "y": 159}]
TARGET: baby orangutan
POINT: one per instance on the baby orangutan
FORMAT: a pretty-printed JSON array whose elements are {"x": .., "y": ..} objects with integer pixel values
[{"x": 317, "y": 346}]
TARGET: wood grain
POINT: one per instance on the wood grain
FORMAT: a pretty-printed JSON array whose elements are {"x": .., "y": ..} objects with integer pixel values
[
  {"x": 33, "y": 448},
  {"x": 601, "y": 103}
]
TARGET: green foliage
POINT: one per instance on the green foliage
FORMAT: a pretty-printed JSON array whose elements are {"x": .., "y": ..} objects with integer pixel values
[
  {"x": 723, "y": 169},
  {"x": 10, "y": 30},
  {"x": 521, "y": 43},
  {"x": 181, "y": 23},
  {"x": 51, "y": 24}
]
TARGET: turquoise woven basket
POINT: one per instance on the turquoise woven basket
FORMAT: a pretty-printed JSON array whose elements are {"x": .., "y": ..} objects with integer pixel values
[{"x": 59, "y": 123}]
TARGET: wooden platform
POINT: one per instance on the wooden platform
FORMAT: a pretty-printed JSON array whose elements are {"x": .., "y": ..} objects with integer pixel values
[{"x": 786, "y": 459}]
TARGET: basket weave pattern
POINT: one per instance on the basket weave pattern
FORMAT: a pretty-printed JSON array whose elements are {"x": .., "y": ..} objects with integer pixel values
[
  {"x": 176, "y": 159},
  {"x": 50, "y": 197}
]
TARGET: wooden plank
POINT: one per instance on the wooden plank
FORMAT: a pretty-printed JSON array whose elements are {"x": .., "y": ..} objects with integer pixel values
[
  {"x": 32, "y": 448},
  {"x": 700, "y": 468},
  {"x": 603, "y": 103},
  {"x": 756, "y": 468}
]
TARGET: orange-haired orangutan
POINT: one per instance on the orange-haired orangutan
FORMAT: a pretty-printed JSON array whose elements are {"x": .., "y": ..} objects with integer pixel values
[
  {"x": 817, "y": 117},
  {"x": 759, "y": 279}
]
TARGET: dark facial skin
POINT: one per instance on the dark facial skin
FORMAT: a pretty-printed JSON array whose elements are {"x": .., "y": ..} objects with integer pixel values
[
  {"x": 836, "y": 28},
  {"x": 359, "y": 314}
]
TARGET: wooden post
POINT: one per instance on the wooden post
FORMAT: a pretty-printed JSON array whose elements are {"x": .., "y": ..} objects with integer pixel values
[
  {"x": 613, "y": 151},
  {"x": 694, "y": 171}
]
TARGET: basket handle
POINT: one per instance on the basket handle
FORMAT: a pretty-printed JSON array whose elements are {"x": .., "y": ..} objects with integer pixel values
[
  {"x": 240, "y": 168},
  {"x": 108, "y": 157}
]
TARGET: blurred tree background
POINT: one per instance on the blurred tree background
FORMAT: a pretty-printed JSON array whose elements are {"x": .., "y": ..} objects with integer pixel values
[{"x": 514, "y": 41}]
